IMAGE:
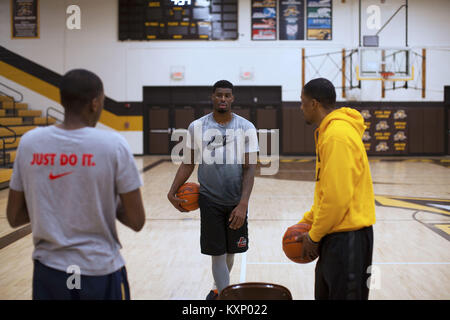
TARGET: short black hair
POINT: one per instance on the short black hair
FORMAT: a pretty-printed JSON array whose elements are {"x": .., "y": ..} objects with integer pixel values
[
  {"x": 78, "y": 87},
  {"x": 222, "y": 84},
  {"x": 322, "y": 90}
]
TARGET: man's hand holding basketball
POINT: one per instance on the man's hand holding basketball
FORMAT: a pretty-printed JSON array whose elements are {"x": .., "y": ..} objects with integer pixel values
[
  {"x": 310, "y": 249},
  {"x": 176, "y": 202},
  {"x": 237, "y": 216}
]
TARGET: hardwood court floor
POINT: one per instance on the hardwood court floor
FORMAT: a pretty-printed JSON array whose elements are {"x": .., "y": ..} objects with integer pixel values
[{"x": 411, "y": 250}]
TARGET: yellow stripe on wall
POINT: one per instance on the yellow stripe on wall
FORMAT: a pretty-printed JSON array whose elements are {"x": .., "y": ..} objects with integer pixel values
[
  {"x": 29, "y": 81},
  {"x": 33, "y": 83}
]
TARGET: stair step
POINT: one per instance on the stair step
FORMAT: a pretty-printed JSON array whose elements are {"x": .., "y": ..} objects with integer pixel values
[
  {"x": 11, "y": 121},
  {"x": 2, "y": 112}
]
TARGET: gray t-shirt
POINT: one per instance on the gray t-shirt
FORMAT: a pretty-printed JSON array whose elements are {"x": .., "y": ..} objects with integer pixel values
[
  {"x": 71, "y": 180},
  {"x": 221, "y": 149}
]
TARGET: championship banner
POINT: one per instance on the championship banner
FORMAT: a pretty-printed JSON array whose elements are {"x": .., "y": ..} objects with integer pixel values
[
  {"x": 25, "y": 19},
  {"x": 319, "y": 14},
  {"x": 264, "y": 20},
  {"x": 386, "y": 131},
  {"x": 292, "y": 20}
]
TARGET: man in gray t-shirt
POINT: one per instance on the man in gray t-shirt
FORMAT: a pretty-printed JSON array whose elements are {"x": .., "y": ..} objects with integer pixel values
[
  {"x": 66, "y": 181},
  {"x": 220, "y": 145},
  {"x": 225, "y": 145}
]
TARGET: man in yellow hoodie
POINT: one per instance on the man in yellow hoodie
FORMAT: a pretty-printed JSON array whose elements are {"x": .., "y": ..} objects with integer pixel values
[{"x": 344, "y": 207}]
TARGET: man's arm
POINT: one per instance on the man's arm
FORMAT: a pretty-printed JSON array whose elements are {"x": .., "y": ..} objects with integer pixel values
[
  {"x": 237, "y": 216},
  {"x": 308, "y": 217},
  {"x": 183, "y": 173},
  {"x": 131, "y": 210},
  {"x": 16, "y": 210},
  {"x": 338, "y": 183}
]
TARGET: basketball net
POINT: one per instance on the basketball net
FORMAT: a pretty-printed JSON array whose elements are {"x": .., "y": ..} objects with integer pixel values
[{"x": 387, "y": 75}]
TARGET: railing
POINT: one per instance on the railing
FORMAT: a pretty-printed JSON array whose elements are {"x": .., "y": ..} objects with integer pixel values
[
  {"x": 5, "y": 143},
  {"x": 54, "y": 110},
  {"x": 11, "y": 97}
]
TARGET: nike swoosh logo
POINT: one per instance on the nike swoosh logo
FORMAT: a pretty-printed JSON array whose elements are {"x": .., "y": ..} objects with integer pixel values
[{"x": 53, "y": 177}]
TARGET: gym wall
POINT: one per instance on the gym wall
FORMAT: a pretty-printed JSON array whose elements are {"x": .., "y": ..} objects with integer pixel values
[{"x": 126, "y": 67}]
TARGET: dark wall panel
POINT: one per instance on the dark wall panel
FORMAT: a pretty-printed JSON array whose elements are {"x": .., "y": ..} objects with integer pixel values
[
  {"x": 448, "y": 128},
  {"x": 298, "y": 136},
  {"x": 431, "y": 127},
  {"x": 415, "y": 130},
  {"x": 266, "y": 118},
  {"x": 426, "y": 126}
]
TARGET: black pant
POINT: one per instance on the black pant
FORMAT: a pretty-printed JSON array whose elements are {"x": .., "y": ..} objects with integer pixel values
[
  {"x": 342, "y": 268},
  {"x": 51, "y": 284}
]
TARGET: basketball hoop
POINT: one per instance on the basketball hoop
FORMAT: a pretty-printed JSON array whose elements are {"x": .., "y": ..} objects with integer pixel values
[{"x": 387, "y": 75}]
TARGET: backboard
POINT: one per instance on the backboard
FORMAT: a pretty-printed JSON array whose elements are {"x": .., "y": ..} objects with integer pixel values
[{"x": 388, "y": 64}]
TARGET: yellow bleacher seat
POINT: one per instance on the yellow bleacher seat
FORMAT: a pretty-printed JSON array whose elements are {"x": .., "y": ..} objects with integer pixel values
[
  {"x": 10, "y": 105},
  {"x": 43, "y": 121},
  {"x": 5, "y": 175},
  {"x": 12, "y": 156},
  {"x": 9, "y": 144},
  {"x": 20, "y": 130},
  {"x": 4, "y": 98},
  {"x": 29, "y": 113},
  {"x": 11, "y": 121}
]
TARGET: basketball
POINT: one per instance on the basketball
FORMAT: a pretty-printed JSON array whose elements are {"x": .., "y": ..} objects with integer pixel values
[
  {"x": 189, "y": 191},
  {"x": 293, "y": 249}
]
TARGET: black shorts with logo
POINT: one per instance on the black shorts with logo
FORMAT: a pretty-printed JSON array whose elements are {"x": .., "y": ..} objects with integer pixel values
[{"x": 216, "y": 237}]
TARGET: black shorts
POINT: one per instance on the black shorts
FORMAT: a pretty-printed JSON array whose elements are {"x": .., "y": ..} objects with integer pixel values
[{"x": 216, "y": 238}]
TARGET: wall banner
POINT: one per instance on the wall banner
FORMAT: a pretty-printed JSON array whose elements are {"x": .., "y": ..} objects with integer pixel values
[{"x": 25, "y": 19}]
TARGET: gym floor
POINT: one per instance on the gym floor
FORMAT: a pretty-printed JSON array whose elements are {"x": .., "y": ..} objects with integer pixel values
[{"x": 411, "y": 258}]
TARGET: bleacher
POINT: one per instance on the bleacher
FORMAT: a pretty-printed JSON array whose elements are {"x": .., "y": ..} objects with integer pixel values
[{"x": 15, "y": 120}]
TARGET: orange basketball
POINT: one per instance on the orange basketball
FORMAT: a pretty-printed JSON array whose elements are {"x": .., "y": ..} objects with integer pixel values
[
  {"x": 293, "y": 249},
  {"x": 189, "y": 191}
]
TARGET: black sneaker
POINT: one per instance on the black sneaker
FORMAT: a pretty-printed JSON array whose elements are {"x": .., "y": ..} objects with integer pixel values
[{"x": 212, "y": 295}]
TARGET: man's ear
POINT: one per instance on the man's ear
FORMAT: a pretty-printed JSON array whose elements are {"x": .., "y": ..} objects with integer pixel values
[
  {"x": 95, "y": 104},
  {"x": 315, "y": 103},
  {"x": 232, "y": 98}
]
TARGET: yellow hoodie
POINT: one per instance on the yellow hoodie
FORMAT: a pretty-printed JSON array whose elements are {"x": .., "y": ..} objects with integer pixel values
[{"x": 343, "y": 196}]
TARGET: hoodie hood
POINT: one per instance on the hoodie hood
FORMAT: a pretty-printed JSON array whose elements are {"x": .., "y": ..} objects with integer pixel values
[{"x": 350, "y": 115}]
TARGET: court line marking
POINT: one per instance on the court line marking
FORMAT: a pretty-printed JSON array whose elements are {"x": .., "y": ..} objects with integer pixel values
[
  {"x": 244, "y": 255},
  {"x": 243, "y": 267},
  {"x": 431, "y": 227},
  {"x": 378, "y": 263},
  {"x": 15, "y": 235},
  {"x": 152, "y": 165}
]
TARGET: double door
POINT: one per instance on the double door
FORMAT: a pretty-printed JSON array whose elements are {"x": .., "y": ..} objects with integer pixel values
[{"x": 162, "y": 120}]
